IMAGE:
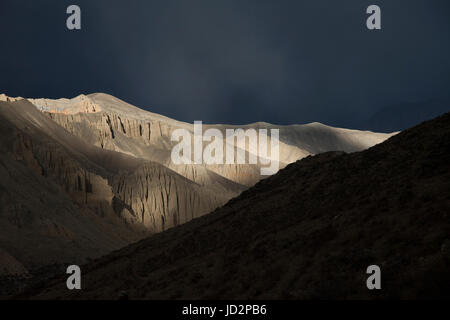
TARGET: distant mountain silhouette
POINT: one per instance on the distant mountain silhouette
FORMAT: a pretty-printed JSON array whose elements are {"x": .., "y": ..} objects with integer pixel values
[
  {"x": 308, "y": 232},
  {"x": 402, "y": 116}
]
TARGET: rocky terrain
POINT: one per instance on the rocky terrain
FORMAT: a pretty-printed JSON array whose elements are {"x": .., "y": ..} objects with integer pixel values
[
  {"x": 119, "y": 126},
  {"x": 308, "y": 232},
  {"x": 84, "y": 176},
  {"x": 64, "y": 200}
]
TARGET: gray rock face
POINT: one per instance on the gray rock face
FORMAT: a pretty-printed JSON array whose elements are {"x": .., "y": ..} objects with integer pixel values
[
  {"x": 159, "y": 200},
  {"x": 55, "y": 204},
  {"x": 64, "y": 200},
  {"x": 81, "y": 177},
  {"x": 124, "y": 128}
]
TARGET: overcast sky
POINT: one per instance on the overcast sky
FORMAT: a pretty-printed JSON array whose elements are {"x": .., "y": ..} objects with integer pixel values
[{"x": 231, "y": 61}]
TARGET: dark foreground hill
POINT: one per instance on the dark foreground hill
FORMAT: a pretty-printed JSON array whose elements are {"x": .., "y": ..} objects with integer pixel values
[{"x": 308, "y": 232}]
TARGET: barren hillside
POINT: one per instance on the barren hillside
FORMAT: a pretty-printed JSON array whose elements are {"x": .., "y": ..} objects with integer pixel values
[{"x": 308, "y": 232}]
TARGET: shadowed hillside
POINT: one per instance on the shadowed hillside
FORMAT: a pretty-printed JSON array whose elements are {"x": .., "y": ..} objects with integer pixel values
[
  {"x": 82, "y": 177},
  {"x": 308, "y": 232},
  {"x": 64, "y": 200}
]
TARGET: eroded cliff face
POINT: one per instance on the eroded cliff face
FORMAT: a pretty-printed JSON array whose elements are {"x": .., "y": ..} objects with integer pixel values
[
  {"x": 53, "y": 209},
  {"x": 85, "y": 176},
  {"x": 59, "y": 191},
  {"x": 108, "y": 130},
  {"x": 124, "y": 128},
  {"x": 159, "y": 200},
  {"x": 151, "y": 140},
  {"x": 50, "y": 160},
  {"x": 166, "y": 198},
  {"x": 151, "y": 195}
]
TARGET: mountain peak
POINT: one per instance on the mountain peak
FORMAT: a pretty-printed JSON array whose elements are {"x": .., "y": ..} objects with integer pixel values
[
  {"x": 4, "y": 97},
  {"x": 79, "y": 104}
]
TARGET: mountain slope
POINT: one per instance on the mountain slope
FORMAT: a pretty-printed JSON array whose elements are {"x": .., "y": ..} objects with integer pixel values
[
  {"x": 308, "y": 232},
  {"x": 113, "y": 124},
  {"x": 63, "y": 200},
  {"x": 84, "y": 176}
]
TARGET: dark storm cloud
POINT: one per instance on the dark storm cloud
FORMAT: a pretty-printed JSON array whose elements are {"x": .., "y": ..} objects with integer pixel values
[{"x": 232, "y": 61}]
